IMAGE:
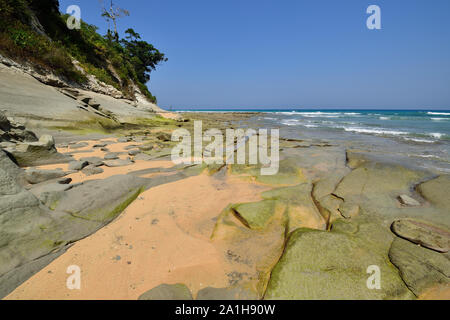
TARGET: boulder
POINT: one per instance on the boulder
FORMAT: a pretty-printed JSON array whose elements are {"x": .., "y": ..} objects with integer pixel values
[
  {"x": 77, "y": 165},
  {"x": 95, "y": 161},
  {"x": 35, "y": 176},
  {"x": 38, "y": 153},
  {"x": 146, "y": 147},
  {"x": 118, "y": 163},
  {"x": 47, "y": 140},
  {"x": 408, "y": 201},
  {"x": 163, "y": 136},
  {"x": 420, "y": 268},
  {"x": 168, "y": 292},
  {"x": 91, "y": 170},
  {"x": 436, "y": 191},
  {"x": 134, "y": 152},
  {"x": 64, "y": 180},
  {"x": 111, "y": 156},
  {"x": 143, "y": 157},
  {"x": 423, "y": 233},
  {"x": 5, "y": 125}
]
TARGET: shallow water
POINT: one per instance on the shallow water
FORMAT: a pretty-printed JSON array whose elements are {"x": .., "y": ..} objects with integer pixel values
[{"x": 415, "y": 137}]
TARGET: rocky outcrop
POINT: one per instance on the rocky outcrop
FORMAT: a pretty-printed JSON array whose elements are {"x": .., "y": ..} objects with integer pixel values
[
  {"x": 420, "y": 268},
  {"x": 40, "y": 223},
  {"x": 35, "y": 176},
  {"x": 423, "y": 234},
  {"x": 24, "y": 146},
  {"x": 334, "y": 265}
]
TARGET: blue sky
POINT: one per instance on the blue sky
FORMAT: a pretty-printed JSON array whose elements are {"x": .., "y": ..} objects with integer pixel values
[{"x": 292, "y": 53}]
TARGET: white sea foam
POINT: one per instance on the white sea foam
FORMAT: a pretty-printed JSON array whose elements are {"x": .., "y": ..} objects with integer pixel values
[
  {"x": 436, "y": 135},
  {"x": 439, "y": 113},
  {"x": 375, "y": 131},
  {"x": 385, "y": 118},
  {"x": 290, "y": 122},
  {"x": 419, "y": 140}
]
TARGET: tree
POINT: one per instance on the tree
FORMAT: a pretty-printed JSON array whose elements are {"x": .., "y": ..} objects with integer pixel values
[
  {"x": 132, "y": 35},
  {"x": 143, "y": 56},
  {"x": 112, "y": 14}
]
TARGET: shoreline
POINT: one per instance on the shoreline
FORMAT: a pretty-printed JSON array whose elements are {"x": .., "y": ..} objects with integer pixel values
[{"x": 204, "y": 226}]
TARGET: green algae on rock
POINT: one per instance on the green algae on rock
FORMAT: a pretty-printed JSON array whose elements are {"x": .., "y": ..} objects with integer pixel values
[
  {"x": 419, "y": 267},
  {"x": 333, "y": 265}
]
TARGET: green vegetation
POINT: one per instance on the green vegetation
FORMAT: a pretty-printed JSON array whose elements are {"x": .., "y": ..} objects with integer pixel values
[{"x": 120, "y": 63}]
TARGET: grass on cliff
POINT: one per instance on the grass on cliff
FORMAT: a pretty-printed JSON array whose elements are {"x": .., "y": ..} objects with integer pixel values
[{"x": 107, "y": 60}]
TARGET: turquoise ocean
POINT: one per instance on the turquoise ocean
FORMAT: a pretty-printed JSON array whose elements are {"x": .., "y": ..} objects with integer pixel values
[{"x": 419, "y": 136}]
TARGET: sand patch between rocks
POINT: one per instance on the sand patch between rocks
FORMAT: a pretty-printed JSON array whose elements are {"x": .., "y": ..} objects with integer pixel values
[{"x": 162, "y": 237}]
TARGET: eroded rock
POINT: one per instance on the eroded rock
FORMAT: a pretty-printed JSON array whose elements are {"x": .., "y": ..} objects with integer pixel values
[
  {"x": 420, "y": 268},
  {"x": 35, "y": 176},
  {"x": 422, "y": 233}
]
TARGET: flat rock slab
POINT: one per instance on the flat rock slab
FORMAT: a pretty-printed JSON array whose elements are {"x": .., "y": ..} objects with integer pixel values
[
  {"x": 111, "y": 156},
  {"x": 134, "y": 152},
  {"x": 420, "y": 268},
  {"x": 333, "y": 265},
  {"x": 424, "y": 234},
  {"x": 408, "y": 201},
  {"x": 143, "y": 157},
  {"x": 96, "y": 161},
  {"x": 133, "y": 146},
  {"x": 35, "y": 176},
  {"x": 92, "y": 170},
  {"x": 77, "y": 165},
  {"x": 78, "y": 145},
  {"x": 168, "y": 292},
  {"x": 100, "y": 145},
  {"x": 118, "y": 163},
  {"x": 436, "y": 191}
]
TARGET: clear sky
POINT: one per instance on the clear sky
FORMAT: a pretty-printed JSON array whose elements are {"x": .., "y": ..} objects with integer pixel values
[{"x": 292, "y": 53}]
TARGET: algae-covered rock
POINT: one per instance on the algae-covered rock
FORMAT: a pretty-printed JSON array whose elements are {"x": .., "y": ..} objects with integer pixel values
[
  {"x": 419, "y": 267},
  {"x": 301, "y": 209},
  {"x": 251, "y": 252},
  {"x": 289, "y": 173},
  {"x": 256, "y": 215},
  {"x": 436, "y": 191},
  {"x": 168, "y": 292},
  {"x": 101, "y": 200},
  {"x": 422, "y": 233},
  {"x": 334, "y": 265},
  {"x": 375, "y": 188},
  {"x": 36, "y": 154}
]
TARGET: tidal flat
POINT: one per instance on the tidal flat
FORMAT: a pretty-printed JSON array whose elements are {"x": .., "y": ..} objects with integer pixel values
[{"x": 140, "y": 227}]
